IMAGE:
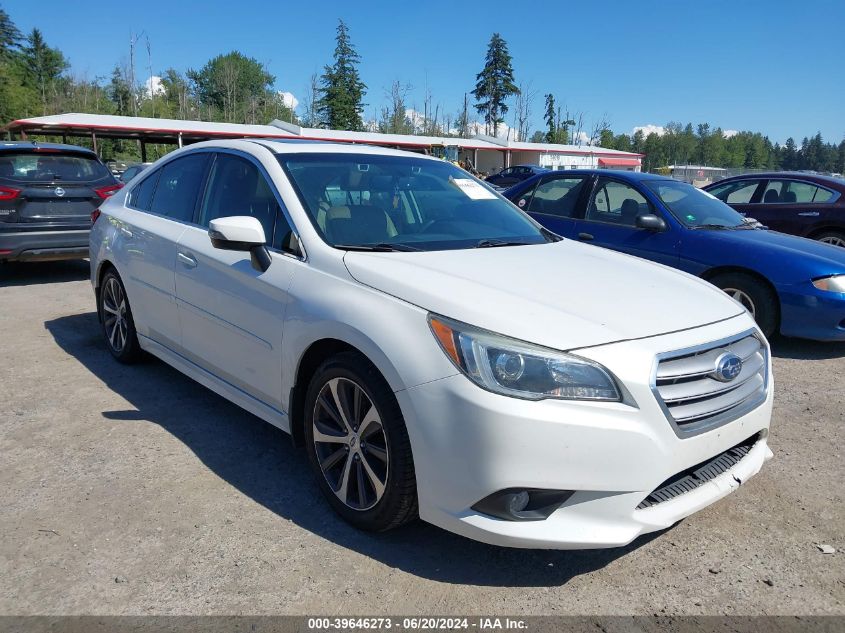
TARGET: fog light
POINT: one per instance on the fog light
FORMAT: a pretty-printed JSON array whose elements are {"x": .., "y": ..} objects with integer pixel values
[{"x": 522, "y": 504}]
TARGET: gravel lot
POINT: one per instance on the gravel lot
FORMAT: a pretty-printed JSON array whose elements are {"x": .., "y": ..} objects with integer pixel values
[{"x": 133, "y": 490}]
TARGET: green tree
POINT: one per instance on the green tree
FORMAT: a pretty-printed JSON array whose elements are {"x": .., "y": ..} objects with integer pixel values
[
  {"x": 550, "y": 118},
  {"x": 43, "y": 65},
  {"x": 341, "y": 93},
  {"x": 233, "y": 88},
  {"x": 494, "y": 84},
  {"x": 10, "y": 36}
]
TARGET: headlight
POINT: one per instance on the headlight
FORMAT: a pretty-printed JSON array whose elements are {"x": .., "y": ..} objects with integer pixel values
[
  {"x": 835, "y": 283},
  {"x": 514, "y": 368}
]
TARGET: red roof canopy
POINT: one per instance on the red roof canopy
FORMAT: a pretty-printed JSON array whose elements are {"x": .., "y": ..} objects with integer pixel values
[{"x": 619, "y": 162}]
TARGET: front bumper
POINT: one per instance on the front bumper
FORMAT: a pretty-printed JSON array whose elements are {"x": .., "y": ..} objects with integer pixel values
[
  {"x": 469, "y": 443},
  {"x": 807, "y": 312},
  {"x": 43, "y": 245}
]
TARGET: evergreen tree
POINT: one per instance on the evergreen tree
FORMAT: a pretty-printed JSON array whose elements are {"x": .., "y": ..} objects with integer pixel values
[
  {"x": 494, "y": 84},
  {"x": 42, "y": 64},
  {"x": 551, "y": 119},
  {"x": 340, "y": 105},
  {"x": 10, "y": 36}
]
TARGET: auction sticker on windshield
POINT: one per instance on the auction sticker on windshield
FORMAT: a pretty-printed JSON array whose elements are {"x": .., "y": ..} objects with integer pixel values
[{"x": 473, "y": 190}]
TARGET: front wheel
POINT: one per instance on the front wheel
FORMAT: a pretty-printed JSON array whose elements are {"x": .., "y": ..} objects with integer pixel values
[
  {"x": 756, "y": 297},
  {"x": 358, "y": 445}
]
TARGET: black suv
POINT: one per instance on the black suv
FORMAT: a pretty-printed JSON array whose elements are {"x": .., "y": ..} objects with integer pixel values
[{"x": 47, "y": 194}]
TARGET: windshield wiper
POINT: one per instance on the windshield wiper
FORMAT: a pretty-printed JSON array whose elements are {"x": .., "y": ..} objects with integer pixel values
[
  {"x": 383, "y": 247},
  {"x": 714, "y": 226},
  {"x": 492, "y": 243}
]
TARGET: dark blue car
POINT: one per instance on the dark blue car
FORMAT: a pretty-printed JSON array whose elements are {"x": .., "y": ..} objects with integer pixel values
[{"x": 791, "y": 285}]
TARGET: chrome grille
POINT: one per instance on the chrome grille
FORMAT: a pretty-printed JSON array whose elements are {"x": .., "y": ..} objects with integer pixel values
[{"x": 693, "y": 395}]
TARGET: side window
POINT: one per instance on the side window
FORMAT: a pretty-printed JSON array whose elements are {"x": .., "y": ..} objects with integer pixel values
[
  {"x": 557, "y": 197},
  {"x": 739, "y": 192},
  {"x": 617, "y": 203},
  {"x": 142, "y": 194},
  {"x": 793, "y": 192},
  {"x": 179, "y": 186},
  {"x": 236, "y": 187}
]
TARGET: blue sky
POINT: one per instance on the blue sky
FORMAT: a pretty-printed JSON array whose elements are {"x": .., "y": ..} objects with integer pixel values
[{"x": 771, "y": 66}]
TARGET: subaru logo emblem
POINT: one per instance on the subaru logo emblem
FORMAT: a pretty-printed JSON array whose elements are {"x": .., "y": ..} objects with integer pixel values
[
  {"x": 59, "y": 192},
  {"x": 728, "y": 367}
]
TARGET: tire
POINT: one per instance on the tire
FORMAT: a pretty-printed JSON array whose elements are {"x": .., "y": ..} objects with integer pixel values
[
  {"x": 755, "y": 296},
  {"x": 116, "y": 320},
  {"x": 836, "y": 238},
  {"x": 374, "y": 452}
]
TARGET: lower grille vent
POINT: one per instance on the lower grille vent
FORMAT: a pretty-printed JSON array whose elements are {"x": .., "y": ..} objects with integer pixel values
[{"x": 692, "y": 478}]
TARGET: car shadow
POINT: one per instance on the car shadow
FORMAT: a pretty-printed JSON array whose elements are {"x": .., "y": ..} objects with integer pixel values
[
  {"x": 800, "y": 349},
  {"x": 260, "y": 461},
  {"x": 32, "y": 273}
]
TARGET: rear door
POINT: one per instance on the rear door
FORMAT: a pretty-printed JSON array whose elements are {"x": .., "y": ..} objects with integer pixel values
[
  {"x": 554, "y": 202},
  {"x": 166, "y": 200},
  {"x": 610, "y": 221},
  {"x": 53, "y": 187},
  {"x": 793, "y": 206}
]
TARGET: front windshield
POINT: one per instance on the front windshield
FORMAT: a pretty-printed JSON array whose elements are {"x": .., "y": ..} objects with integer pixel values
[
  {"x": 404, "y": 203},
  {"x": 694, "y": 207}
]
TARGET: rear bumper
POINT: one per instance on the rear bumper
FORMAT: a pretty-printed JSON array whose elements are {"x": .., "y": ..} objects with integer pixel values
[{"x": 43, "y": 245}]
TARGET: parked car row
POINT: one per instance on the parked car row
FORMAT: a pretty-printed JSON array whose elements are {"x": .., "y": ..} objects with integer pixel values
[{"x": 790, "y": 285}]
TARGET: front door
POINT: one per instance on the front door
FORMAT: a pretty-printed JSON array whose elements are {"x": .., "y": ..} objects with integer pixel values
[
  {"x": 610, "y": 221},
  {"x": 231, "y": 314}
]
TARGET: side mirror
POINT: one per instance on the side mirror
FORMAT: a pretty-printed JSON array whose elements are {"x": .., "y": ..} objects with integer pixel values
[
  {"x": 241, "y": 233},
  {"x": 651, "y": 222}
]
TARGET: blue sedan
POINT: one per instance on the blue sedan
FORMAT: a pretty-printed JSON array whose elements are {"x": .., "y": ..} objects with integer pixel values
[{"x": 791, "y": 285}]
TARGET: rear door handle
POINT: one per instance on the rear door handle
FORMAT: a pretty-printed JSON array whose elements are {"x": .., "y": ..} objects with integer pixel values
[
  {"x": 187, "y": 261},
  {"x": 810, "y": 214},
  {"x": 586, "y": 237},
  {"x": 125, "y": 231}
]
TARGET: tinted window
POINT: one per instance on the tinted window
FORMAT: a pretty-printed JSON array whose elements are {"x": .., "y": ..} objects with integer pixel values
[
  {"x": 794, "y": 192},
  {"x": 179, "y": 186},
  {"x": 41, "y": 166},
  {"x": 557, "y": 197},
  {"x": 142, "y": 194},
  {"x": 424, "y": 204},
  {"x": 617, "y": 203},
  {"x": 739, "y": 192},
  {"x": 236, "y": 187}
]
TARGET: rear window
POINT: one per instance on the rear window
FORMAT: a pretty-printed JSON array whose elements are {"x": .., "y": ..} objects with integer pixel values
[{"x": 34, "y": 166}]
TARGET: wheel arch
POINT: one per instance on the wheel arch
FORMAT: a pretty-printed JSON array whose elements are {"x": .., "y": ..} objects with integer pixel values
[
  {"x": 312, "y": 357},
  {"x": 712, "y": 273},
  {"x": 102, "y": 268},
  {"x": 814, "y": 234}
]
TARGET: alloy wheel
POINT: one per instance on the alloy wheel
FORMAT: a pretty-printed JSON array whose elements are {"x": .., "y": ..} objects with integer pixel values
[
  {"x": 833, "y": 239},
  {"x": 350, "y": 443},
  {"x": 743, "y": 298},
  {"x": 114, "y": 314}
]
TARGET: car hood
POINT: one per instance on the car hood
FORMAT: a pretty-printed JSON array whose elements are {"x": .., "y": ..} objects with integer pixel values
[
  {"x": 562, "y": 295},
  {"x": 780, "y": 257}
]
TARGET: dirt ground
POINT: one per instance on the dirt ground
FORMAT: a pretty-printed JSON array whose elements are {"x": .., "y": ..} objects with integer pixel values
[{"x": 133, "y": 490}]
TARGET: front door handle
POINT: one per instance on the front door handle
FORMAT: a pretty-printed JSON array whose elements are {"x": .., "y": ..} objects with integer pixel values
[
  {"x": 586, "y": 237},
  {"x": 810, "y": 214},
  {"x": 187, "y": 261}
]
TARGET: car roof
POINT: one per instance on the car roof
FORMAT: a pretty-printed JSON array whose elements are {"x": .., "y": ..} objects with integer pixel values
[
  {"x": 797, "y": 175},
  {"x": 18, "y": 145},
  {"x": 622, "y": 174},
  {"x": 305, "y": 146}
]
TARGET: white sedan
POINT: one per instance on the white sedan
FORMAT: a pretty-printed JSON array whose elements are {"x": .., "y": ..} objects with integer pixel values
[{"x": 436, "y": 352}]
